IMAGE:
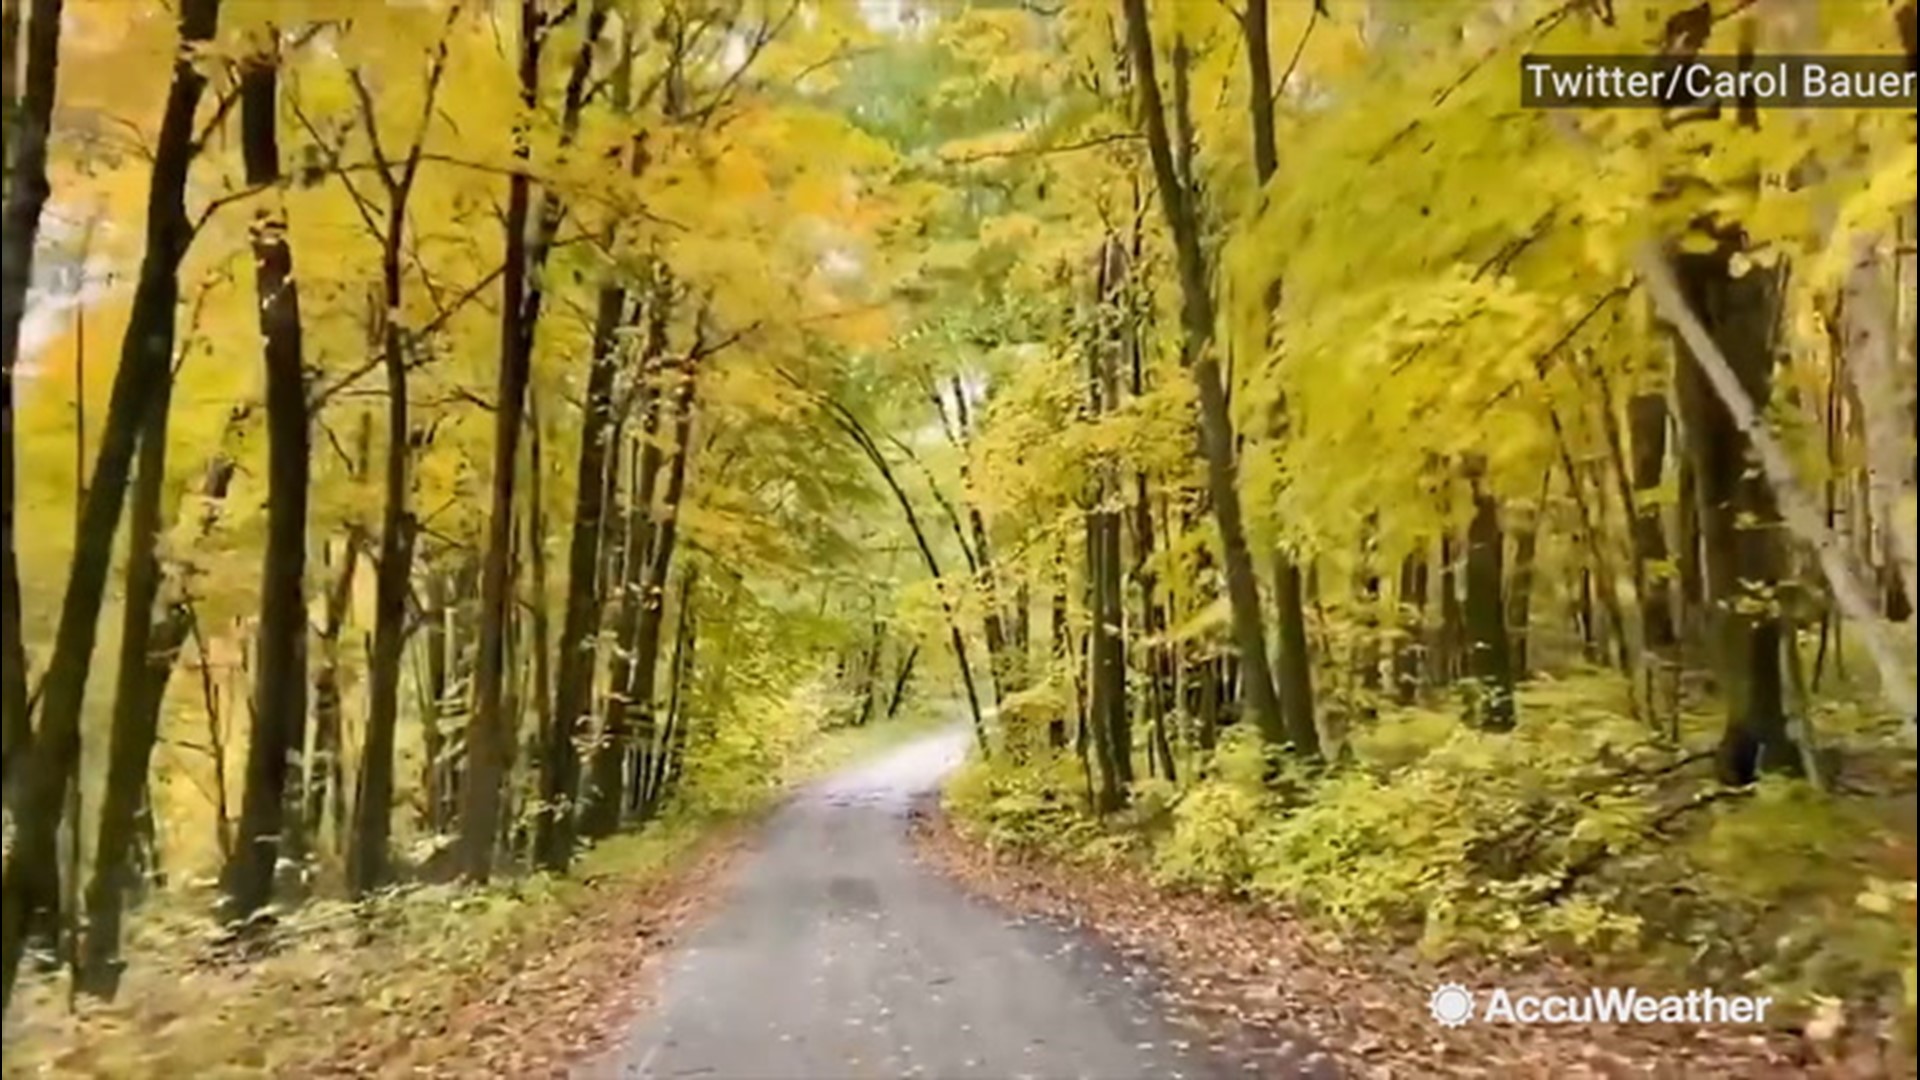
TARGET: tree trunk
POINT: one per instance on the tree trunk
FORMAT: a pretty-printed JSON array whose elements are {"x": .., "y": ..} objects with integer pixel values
[
  {"x": 653, "y": 595},
  {"x": 145, "y": 369},
  {"x": 326, "y": 783},
  {"x": 135, "y": 726},
  {"x": 673, "y": 739},
  {"x": 1216, "y": 426},
  {"x": 1519, "y": 602},
  {"x": 1489, "y": 660},
  {"x": 28, "y": 126},
  {"x": 606, "y": 780},
  {"x": 148, "y": 654},
  {"x": 1108, "y": 721},
  {"x": 540, "y": 622},
  {"x": 901, "y": 681},
  {"x": 1452, "y": 631},
  {"x": 488, "y": 735},
  {"x": 1647, "y": 437},
  {"x": 1738, "y": 517},
  {"x": 999, "y": 656},
  {"x": 1886, "y": 416},
  {"x": 367, "y": 865},
  {"x": 580, "y": 621},
  {"x": 1413, "y": 627},
  {"x": 1062, "y": 655},
  {"x": 270, "y": 806},
  {"x": 1294, "y": 664}
]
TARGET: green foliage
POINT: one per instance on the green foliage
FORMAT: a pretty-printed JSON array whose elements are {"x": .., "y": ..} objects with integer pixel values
[
  {"x": 1207, "y": 848},
  {"x": 1012, "y": 806}
]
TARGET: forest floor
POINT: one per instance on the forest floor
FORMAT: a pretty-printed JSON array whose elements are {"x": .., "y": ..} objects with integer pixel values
[{"x": 1230, "y": 966}]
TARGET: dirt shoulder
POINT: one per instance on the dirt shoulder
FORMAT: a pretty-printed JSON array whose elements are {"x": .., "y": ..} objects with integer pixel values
[
  {"x": 568, "y": 994},
  {"x": 1259, "y": 978}
]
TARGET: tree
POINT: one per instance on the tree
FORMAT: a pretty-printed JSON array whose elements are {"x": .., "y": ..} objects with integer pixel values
[
  {"x": 26, "y": 196},
  {"x": 144, "y": 373},
  {"x": 1178, "y": 204},
  {"x": 270, "y": 810}
]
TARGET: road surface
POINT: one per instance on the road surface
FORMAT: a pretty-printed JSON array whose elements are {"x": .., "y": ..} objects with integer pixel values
[{"x": 835, "y": 956}]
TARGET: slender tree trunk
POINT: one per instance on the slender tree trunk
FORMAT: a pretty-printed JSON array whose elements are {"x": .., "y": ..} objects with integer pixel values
[
  {"x": 1647, "y": 435},
  {"x": 580, "y": 621},
  {"x": 858, "y": 433},
  {"x": 1489, "y": 660},
  {"x": 1216, "y": 426},
  {"x": 326, "y": 784},
  {"x": 1413, "y": 627},
  {"x": 134, "y": 725},
  {"x": 540, "y": 620},
  {"x": 901, "y": 681},
  {"x": 1452, "y": 630},
  {"x": 1690, "y": 574},
  {"x": 367, "y": 865},
  {"x": 488, "y": 735},
  {"x": 1062, "y": 655},
  {"x": 145, "y": 368},
  {"x": 270, "y": 806},
  {"x": 654, "y": 592},
  {"x": 148, "y": 655},
  {"x": 999, "y": 649},
  {"x": 673, "y": 737},
  {"x": 1107, "y": 678},
  {"x": 28, "y": 127},
  {"x": 1294, "y": 664},
  {"x": 606, "y": 780},
  {"x": 1519, "y": 600}
]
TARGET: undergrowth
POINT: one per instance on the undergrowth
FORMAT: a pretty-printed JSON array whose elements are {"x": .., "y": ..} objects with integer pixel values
[
  {"x": 1580, "y": 835},
  {"x": 335, "y": 974}
]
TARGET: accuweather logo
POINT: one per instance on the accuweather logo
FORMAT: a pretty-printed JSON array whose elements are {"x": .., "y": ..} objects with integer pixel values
[{"x": 1453, "y": 1005}]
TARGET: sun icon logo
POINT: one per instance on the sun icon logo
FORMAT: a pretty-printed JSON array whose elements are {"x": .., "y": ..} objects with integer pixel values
[{"x": 1451, "y": 1004}]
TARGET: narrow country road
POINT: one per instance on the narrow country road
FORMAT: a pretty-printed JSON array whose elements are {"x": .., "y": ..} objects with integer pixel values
[{"x": 834, "y": 955}]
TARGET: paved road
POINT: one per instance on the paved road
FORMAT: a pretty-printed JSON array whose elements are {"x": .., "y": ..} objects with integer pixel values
[{"x": 835, "y": 956}]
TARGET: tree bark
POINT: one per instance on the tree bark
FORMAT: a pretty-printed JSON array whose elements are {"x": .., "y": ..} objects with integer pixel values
[
  {"x": 1216, "y": 426},
  {"x": 580, "y": 620},
  {"x": 1108, "y": 721},
  {"x": 145, "y": 368},
  {"x": 606, "y": 780},
  {"x": 1647, "y": 437},
  {"x": 1489, "y": 660},
  {"x": 900, "y": 682},
  {"x": 326, "y": 783},
  {"x": 488, "y": 737},
  {"x": 270, "y": 806},
  {"x": 1738, "y": 517},
  {"x": 367, "y": 858},
  {"x": 149, "y": 649},
  {"x": 1519, "y": 601},
  {"x": 134, "y": 729},
  {"x": 1413, "y": 626},
  {"x": 28, "y": 126},
  {"x": 653, "y": 596}
]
